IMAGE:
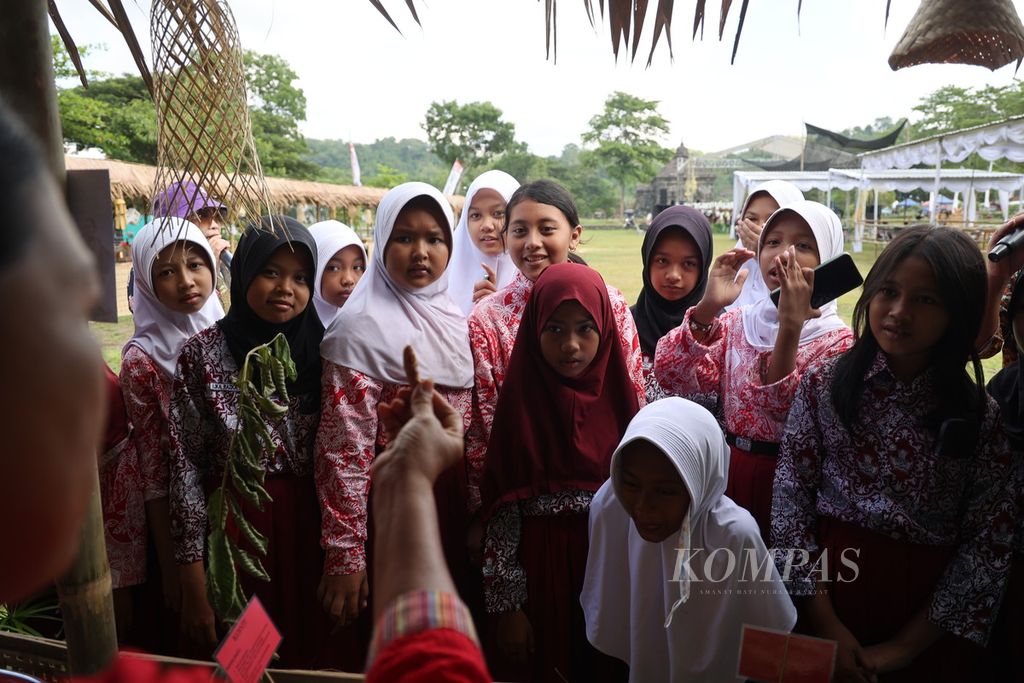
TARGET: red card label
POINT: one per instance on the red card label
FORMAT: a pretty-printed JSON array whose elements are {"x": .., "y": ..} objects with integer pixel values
[
  {"x": 779, "y": 657},
  {"x": 249, "y": 645}
]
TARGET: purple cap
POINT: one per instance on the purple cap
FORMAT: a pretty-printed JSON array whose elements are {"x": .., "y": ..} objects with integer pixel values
[{"x": 181, "y": 200}]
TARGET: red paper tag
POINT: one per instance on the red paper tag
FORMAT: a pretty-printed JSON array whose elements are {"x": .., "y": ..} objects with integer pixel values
[
  {"x": 778, "y": 657},
  {"x": 762, "y": 652},
  {"x": 249, "y": 645}
]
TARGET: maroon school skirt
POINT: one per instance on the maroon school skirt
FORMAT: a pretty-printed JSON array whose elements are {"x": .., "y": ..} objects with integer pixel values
[
  {"x": 1007, "y": 644},
  {"x": 894, "y": 582},
  {"x": 451, "y": 492},
  {"x": 294, "y": 561},
  {"x": 553, "y": 553},
  {"x": 751, "y": 478}
]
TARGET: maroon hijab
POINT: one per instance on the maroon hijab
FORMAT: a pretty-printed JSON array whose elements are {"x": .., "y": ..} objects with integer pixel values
[{"x": 552, "y": 433}]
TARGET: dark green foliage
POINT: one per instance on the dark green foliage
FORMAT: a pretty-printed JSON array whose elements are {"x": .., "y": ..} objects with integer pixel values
[
  {"x": 263, "y": 396},
  {"x": 626, "y": 135},
  {"x": 474, "y": 133}
]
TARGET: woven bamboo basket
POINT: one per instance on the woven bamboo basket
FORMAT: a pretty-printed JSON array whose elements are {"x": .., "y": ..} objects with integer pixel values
[
  {"x": 980, "y": 32},
  {"x": 204, "y": 134}
]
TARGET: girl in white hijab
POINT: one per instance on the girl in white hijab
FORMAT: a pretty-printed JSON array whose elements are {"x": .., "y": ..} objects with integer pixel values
[
  {"x": 175, "y": 298},
  {"x": 160, "y": 329},
  {"x": 478, "y": 241},
  {"x": 766, "y": 199},
  {"x": 750, "y": 360},
  {"x": 670, "y": 619},
  {"x": 401, "y": 300},
  {"x": 340, "y": 263}
]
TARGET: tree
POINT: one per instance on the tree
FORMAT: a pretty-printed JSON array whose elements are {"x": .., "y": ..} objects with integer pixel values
[
  {"x": 952, "y": 107},
  {"x": 408, "y": 156},
  {"x": 472, "y": 133},
  {"x": 386, "y": 177},
  {"x": 63, "y": 67},
  {"x": 115, "y": 115},
  {"x": 276, "y": 107},
  {"x": 626, "y": 135}
]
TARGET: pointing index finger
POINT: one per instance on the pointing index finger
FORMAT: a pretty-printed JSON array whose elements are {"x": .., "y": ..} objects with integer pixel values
[{"x": 412, "y": 370}]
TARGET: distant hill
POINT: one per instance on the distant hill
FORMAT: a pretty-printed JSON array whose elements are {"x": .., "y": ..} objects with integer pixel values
[{"x": 385, "y": 162}]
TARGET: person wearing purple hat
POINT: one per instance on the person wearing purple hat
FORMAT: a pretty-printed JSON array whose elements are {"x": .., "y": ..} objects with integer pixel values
[{"x": 189, "y": 201}]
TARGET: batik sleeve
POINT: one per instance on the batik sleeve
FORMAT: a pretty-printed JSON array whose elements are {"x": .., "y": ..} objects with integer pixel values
[{"x": 345, "y": 448}]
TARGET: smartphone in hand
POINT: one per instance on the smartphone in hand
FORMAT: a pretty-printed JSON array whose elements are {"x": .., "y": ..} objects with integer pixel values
[{"x": 832, "y": 279}]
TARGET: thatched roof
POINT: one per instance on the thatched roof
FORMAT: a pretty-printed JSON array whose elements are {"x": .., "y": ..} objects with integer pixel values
[{"x": 134, "y": 184}]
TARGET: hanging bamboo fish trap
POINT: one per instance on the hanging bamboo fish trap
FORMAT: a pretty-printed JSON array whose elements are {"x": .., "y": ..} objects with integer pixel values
[
  {"x": 981, "y": 32},
  {"x": 204, "y": 134}
]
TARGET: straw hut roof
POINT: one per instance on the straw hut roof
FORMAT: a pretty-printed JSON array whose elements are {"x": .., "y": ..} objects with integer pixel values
[{"x": 134, "y": 184}]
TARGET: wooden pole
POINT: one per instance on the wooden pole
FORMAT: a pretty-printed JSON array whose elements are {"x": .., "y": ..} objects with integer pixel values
[{"x": 27, "y": 85}]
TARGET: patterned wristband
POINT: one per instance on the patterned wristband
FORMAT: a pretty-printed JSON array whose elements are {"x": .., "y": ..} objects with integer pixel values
[{"x": 418, "y": 611}]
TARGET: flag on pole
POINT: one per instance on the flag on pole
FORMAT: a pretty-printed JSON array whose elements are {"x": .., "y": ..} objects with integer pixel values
[
  {"x": 453, "y": 179},
  {"x": 356, "y": 180}
]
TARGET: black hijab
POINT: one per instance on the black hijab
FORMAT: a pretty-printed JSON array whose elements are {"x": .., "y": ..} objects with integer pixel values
[
  {"x": 245, "y": 330},
  {"x": 655, "y": 315},
  {"x": 1007, "y": 387}
]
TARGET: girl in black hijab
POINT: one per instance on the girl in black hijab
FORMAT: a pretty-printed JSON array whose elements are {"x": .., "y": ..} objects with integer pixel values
[
  {"x": 272, "y": 275},
  {"x": 676, "y": 256},
  {"x": 246, "y": 327}
]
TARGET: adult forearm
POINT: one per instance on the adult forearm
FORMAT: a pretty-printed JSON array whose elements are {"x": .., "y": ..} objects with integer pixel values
[{"x": 406, "y": 533}]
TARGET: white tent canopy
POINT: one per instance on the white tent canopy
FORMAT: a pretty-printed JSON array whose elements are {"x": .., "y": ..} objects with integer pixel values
[
  {"x": 957, "y": 180},
  {"x": 1000, "y": 140}
]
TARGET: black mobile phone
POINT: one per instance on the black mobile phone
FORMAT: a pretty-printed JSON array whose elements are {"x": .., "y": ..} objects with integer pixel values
[{"x": 832, "y": 279}]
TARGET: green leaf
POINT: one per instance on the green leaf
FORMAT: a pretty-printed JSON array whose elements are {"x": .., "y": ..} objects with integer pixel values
[
  {"x": 270, "y": 407},
  {"x": 249, "y": 452},
  {"x": 267, "y": 375},
  {"x": 248, "y": 531},
  {"x": 280, "y": 383},
  {"x": 221, "y": 575},
  {"x": 245, "y": 488},
  {"x": 215, "y": 509},
  {"x": 249, "y": 563}
]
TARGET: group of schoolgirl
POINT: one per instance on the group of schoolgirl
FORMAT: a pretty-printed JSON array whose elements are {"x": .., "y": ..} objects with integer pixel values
[{"x": 587, "y": 470}]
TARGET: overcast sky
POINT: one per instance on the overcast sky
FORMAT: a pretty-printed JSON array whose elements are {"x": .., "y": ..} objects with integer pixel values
[{"x": 364, "y": 81}]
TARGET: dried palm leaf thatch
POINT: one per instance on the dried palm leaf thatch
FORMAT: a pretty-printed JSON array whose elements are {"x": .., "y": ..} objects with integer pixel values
[
  {"x": 625, "y": 22},
  {"x": 117, "y": 16},
  {"x": 982, "y": 32},
  {"x": 204, "y": 135}
]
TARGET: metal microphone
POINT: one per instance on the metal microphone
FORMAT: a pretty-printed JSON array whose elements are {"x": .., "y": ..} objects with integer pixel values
[
  {"x": 225, "y": 267},
  {"x": 1007, "y": 244}
]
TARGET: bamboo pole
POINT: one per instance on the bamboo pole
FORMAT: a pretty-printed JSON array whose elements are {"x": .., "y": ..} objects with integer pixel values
[
  {"x": 27, "y": 84},
  {"x": 86, "y": 600}
]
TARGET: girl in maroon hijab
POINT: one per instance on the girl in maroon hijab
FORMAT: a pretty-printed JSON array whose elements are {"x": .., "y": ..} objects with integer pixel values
[{"x": 565, "y": 404}]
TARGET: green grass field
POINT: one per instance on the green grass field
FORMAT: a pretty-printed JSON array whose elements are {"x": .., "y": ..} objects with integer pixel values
[{"x": 615, "y": 253}]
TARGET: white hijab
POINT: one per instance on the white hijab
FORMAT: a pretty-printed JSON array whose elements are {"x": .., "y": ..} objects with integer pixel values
[
  {"x": 159, "y": 331},
  {"x": 633, "y": 608},
  {"x": 761, "y": 320},
  {"x": 464, "y": 269},
  {"x": 755, "y": 289},
  {"x": 382, "y": 317},
  {"x": 331, "y": 237}
]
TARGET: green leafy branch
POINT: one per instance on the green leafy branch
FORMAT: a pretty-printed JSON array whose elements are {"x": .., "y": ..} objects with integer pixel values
[
  {"x": 15, "y": 618},
  {"x": 263, "y": 396}
]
